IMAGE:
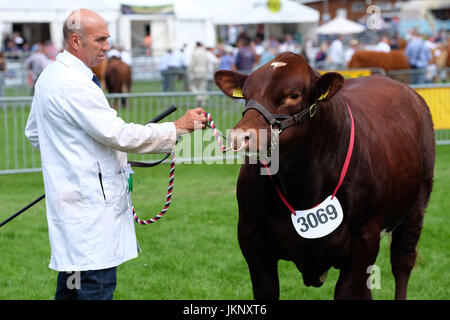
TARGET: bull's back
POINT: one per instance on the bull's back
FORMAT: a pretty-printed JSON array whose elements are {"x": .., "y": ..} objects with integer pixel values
[
  {"x": 395, "y": 138},
  {"x": 393, "y": 60}
]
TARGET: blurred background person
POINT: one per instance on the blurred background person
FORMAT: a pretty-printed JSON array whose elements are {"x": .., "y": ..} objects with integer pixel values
[
  {"x": 354, "y": 46},
  {"x": 163, "y": 68},
  {"x": 198, "y": 71},
  {"x": 245, "y": 57},
  {"x": 418, "y": 55},
  {"x": 2, "y": 74},
  {"x": 336, "y": 53},
  {"x": 226, "y": 60},
  {"x": 36, "y": 63},
  {"x": 383, "y": 45}
]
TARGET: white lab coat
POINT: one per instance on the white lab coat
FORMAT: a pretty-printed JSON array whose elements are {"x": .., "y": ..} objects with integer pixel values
[{"x": 81, "y": 137}]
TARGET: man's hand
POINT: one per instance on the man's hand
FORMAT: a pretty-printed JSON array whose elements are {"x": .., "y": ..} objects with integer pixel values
[{"x": 192, "y": 119}]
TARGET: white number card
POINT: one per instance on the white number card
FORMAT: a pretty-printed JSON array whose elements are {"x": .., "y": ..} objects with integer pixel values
[{"x": 319, "y": 221}]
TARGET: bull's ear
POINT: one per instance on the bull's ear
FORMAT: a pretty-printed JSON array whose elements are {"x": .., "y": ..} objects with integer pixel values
[
  {"x": 230, "y": 82},
  {"x": 327, "y": 85}
]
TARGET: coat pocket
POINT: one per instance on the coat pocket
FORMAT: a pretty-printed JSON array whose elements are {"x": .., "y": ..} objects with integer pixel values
[{"x": 100, "y": 178}]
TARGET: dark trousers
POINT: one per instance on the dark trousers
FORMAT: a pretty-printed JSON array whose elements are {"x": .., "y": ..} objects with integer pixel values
[{"x": 86, "y": 285}]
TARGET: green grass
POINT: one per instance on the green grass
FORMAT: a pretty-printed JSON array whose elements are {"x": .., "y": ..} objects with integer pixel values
[{"x": 193, "y": 253}]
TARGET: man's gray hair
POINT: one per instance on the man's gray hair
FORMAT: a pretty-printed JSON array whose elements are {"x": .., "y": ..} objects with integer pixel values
[{"x": 73, "y": 25}]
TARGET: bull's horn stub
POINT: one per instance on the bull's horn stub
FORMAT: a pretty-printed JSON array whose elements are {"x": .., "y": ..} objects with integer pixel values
[
  {"x": 320, "y": 220},
  {"x": 278, "y": 64}
]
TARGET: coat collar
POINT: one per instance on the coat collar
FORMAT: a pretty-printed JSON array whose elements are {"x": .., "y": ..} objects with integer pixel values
[{"x": 70, "y": 60}]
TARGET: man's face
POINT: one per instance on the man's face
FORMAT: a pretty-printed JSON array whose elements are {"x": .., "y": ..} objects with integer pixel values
[{"x": 95, "y": 44}]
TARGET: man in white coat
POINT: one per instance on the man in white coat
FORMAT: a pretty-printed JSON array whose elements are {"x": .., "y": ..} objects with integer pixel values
[{"x": 83, "y": 147}]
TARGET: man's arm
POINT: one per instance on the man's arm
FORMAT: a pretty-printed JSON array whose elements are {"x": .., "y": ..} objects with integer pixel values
[
  {"x": 31, "y": 131},
  {"x": 92, "y": 113}
]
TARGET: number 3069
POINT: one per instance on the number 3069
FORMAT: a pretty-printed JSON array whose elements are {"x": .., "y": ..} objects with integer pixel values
[{"x": 321, "y": 216}]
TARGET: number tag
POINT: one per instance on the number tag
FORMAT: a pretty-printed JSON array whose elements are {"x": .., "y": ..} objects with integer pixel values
[{"x": 319, "y": 221}]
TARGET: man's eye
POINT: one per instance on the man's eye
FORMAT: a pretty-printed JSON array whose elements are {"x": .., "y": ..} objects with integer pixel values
[{"x": 294, "y": 96}]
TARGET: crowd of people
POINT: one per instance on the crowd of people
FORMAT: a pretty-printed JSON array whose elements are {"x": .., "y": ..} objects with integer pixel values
[
  {"x": 427, "y": 56},
  {"x": 35, "y": 56},
  {"x": 195, "y": 66}
]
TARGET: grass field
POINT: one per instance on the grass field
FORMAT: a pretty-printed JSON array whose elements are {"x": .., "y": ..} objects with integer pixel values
[{"x": 193, "y": 253}]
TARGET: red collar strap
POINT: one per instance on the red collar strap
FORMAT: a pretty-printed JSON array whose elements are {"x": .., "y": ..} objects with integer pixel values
[{"x": 343, "y": 171}]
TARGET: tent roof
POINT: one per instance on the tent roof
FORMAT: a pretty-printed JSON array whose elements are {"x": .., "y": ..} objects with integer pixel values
[
  {"x": 183, "y": 9},
  {"x": 54, "y": 5},
  {"x": 257, "y": 11},
  {"x": 340, "y": 25}
]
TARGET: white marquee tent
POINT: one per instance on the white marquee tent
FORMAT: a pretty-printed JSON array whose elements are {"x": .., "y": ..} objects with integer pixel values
[
  {"x": 259, "y": 11},
  {"x": 340, "y": 25},
  {"x": 52, "y": 12},
  {"x": 186, "y": 23}
]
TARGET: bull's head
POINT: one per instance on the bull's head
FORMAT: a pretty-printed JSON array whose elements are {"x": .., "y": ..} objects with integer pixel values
[{"x": 284, "y": 88}]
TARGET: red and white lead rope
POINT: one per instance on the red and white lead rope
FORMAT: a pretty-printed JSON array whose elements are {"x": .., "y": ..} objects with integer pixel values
[
  {"x": 171, "y": 178},
  {"x": 215, "y": 131},
  {"x": 168, "y": 197}
]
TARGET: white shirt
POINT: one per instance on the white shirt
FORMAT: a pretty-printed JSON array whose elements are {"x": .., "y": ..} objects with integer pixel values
[
  {"x": 383, "y": 47},
  {"x": 337, "y": 51},
  {"x": 79, "y": 137}
]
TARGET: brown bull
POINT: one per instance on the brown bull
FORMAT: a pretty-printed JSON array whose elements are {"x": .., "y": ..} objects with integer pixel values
[
  {"x": 118, "y": 77},
  {"x": 386, "y": 188},
  {"x": 393, "y": 60}
]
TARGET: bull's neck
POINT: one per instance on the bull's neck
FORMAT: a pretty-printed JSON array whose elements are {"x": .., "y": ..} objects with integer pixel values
[{"x": 313, "y": 163}]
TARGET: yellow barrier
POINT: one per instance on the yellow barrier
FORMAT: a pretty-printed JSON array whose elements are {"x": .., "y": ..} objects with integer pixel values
[
  {"x": 438, "y": 100},
  {"x": 348, "y": 74}
]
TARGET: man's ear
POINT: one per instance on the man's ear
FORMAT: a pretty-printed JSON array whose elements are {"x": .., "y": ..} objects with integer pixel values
[
  {"x": 230, "y": 82},
  {"x": 327, "y": 85}
]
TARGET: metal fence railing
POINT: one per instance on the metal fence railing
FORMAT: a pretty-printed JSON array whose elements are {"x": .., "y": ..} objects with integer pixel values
[{"x": 17, "y": 154}]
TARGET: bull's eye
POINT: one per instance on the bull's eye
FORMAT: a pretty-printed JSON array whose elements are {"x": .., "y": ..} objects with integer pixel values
[{"x": 294, "y": 96}]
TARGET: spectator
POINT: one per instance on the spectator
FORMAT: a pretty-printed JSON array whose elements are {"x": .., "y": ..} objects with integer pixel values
[
  {"x": 418, "y": 55},
  {"x": 322, "y": 55},
  {"x": 175, "y": 68},
  {"x": 163, "y": 67},
  {"x": 125, "y": 55},
  {"x": 245, "y": 57},
  {"x": 147, "y": 44},
  {"x": 290, "y": 44},
  {"x": 336, "y": 55},
  {"x": 50, "y": 50},
  {"x": 354, "y": 45},
  {"x": 383, "y": 45},
  {"x": 213, "y": 63},
  {"x": 440, "y": 56},
  {"x": 36, "y": 63},
  {"x": 2, "y": 74},
  {"x": 267, "y": 55},
  {"x": 227, "y": 60},
  {"x": 198, "y": 70},
  {"x": 309, "y": 49}
]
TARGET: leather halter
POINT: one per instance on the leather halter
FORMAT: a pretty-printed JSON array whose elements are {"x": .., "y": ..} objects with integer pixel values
[{"x": 283, "y": 121}]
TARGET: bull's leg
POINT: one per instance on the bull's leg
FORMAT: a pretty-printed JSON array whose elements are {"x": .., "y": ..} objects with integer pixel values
[
  {"x": 353, "y": 278},
  {"x": 262, "y": 266},
  {"x": 264, "y": 276},
  {"x": 403, "y": 249}
]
